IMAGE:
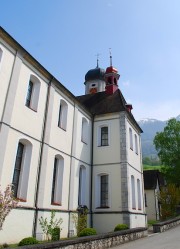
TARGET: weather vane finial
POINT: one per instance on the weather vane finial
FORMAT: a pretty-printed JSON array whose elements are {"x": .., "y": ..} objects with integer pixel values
[
  {"x": 110, "y": 57},
  {"x": 97, "y": 55}
]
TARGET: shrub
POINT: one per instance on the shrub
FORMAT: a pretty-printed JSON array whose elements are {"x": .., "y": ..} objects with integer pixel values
[
  {"x": 28, "y": 241},
  {"x": 56, "y": 234},
  {"x": 87, "y": 232},
  {"x": 120, "y": 227}
]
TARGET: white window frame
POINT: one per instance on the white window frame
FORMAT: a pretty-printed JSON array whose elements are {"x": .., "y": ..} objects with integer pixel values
[
  {"x": 57, "y": 181},
  {"x": 84, "y": 131},
  {"x": 99, "y": 138},
  {"x": 98, "y": 192},
  {"x": 22, "y": 188},
  {"x": 136, "y": 143},
  {"x": 1, "y": 56},
  {"x": 130, "y": 138},
  {"x": 62, "y": 117},
  {"x": 133, "y": 192},
  {"x": 139, "y": 194},
  {"x": 82, "y": 186},
  {"x": 35, "y": 93}
]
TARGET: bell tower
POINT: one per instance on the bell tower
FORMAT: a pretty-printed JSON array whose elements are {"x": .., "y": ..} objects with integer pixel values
[{"x": 111, "y": 78}]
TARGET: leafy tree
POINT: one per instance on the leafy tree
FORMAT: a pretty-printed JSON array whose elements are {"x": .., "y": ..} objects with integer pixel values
[
  {"x": 169, "y": 198},
  {"x": 167, "y": 144},
  {"x": 7, "y": 203}
]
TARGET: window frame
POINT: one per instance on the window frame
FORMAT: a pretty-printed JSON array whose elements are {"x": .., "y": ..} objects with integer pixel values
[
  {"x": 84, "y": 130},
  {"x": 136, "y": 144},
  {"x": 21, "y": 186},
  {"x": 63, "y": 114},
  {"x": 82, "y": 186},
  {"x": 57, "y": 181},
  {"x": 32, "y": 101},
  {"x": 130, "y": 138},
  {"x": 133, "y": 192},
  {"x": 100, "y": 139}
]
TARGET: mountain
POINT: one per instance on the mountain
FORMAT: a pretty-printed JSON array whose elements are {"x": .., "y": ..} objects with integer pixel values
[{"x": 150, "y": 127}]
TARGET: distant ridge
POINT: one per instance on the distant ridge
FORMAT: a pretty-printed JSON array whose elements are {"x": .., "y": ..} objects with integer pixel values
[{"x": 150, "y": 127}]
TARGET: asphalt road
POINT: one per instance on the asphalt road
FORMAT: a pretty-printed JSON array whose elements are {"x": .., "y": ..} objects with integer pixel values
[{"x": 167, "y": 240}]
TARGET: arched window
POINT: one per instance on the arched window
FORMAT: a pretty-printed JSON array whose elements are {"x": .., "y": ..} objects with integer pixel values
[
  {"x": 84, "y": 131},
  {"x": 139, "y": 193},
  {"x": 32, "y": 97},
  {"x": 1, "y": 54},
  {"x": 21, "y": 169},
  {"x": 136, "y": 144},
  {"x": 82, "y": 186},
  {"x": 57, "y": 181},
  {"x": 133, "y": 193},
  {"x": 130, "y": 138},
  {"x": 62, "y": 119}
]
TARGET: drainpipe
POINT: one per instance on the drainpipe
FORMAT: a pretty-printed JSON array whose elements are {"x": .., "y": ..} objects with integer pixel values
[
  {"x": 91, "y": 193},
  {"x": 71, "y": 171},
  {"x": 40, "y": 159}
]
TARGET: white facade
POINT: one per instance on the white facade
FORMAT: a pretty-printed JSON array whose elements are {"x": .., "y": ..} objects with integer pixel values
[{"x": 59, "y": 137}]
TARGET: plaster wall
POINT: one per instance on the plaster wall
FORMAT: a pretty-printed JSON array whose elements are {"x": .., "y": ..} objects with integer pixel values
[
  {"x": 6, "y": 65},
  {"x": 25, "y": 119},
  {"x": 18, "y": 225}
]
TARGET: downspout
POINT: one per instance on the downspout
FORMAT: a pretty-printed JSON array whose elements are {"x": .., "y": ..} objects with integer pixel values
[
  {"x": 91, "y": 187},
  {"x": 71, "y": 172},
  {"x": 40, "y": 159}
]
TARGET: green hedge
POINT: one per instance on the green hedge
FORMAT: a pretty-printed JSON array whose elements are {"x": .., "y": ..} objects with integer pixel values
[
  {"x": 120, "y": 227},
  {"x": 87, "y": 232}
]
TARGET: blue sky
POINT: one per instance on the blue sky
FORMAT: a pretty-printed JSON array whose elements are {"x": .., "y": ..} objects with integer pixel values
[{"x": 144, "y": 35}]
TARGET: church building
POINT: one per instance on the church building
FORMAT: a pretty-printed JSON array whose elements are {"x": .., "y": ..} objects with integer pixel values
[{"x": 62, "y": 151}]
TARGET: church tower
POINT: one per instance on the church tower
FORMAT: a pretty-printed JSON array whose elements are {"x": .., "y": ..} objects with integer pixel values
[
  {"x": 111, "y": 78},
  {"x": 94, "y": 80}
]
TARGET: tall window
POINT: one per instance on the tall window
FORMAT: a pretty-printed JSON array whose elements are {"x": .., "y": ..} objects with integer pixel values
[
  {"x": 17, "y": 168},
  {"x": 130, "y": 138},
  {"x": 82, "y": 186},
  {"x": 133, "y": 193},
  {"x": 29, "y": 94},
  {"x": 21, "y": 169},
  {"x": 84, "y": 131},
  {"x": 62, "y": 119},
  {"x": 57, "y": 182},
  {"x": 104, "y": 198},
  {"x": 33, "y": 90},
  {"x": 1, "y": 54},
  {"x": 136, "y": 144},
  {"x": 139, "y": 194},
  {"x": 104, "y": 136}
]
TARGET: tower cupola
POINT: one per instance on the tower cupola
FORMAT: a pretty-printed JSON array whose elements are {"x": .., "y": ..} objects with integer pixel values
[
  {"x": 94, "y": 80},
  {"x": 111, "y": 78}
]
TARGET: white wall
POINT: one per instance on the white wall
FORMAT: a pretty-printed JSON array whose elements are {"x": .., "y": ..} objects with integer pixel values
[{"x": 6, "y": 65}]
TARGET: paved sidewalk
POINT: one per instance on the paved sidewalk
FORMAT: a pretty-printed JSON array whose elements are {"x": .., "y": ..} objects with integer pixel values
[{"x": 167, "y": 240}]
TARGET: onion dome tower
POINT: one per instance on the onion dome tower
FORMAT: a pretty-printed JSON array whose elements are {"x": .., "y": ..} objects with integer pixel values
[
  {"x": 94, "y": 80},
  {"x": 111, "y": 78}
]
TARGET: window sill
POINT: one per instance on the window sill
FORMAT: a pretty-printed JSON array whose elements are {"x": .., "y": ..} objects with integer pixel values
[
  {"x": 21, "y": 200},
  {"x": 62, "y": 128},
  {"x": 83, "y": 142},
  {"x": 31, "y": 108},
  {"x": 56, "y": 204},
  {"x": 103, "y": 145},
  {"x": 102, "y": 207}
]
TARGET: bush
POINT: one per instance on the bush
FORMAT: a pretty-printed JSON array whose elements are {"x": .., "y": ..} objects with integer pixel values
[
  {"x": 28, "y": 241},
  {"x": 56, "y": 234},
  {"x": 87, "y": 232},
  {"x": 120, "y": 227}
]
